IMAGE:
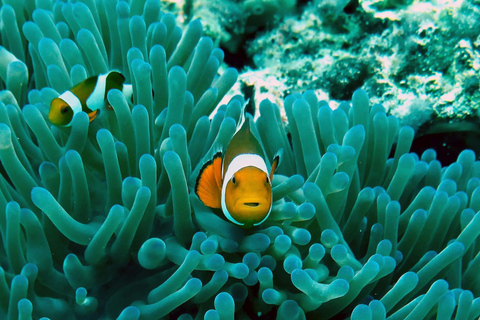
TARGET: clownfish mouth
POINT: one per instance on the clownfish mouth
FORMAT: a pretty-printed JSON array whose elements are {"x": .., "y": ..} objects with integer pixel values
[{"x": 252, "y": 204}]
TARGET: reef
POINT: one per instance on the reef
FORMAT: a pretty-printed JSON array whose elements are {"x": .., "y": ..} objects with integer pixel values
[
  {"x": 99, "y": 220},
  {"x": 420, "y": 59},
  {"x": 232, "y": 22}
]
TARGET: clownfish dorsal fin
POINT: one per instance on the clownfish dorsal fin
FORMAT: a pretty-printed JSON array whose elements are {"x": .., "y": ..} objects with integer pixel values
[
  {"x": 276, "y": 162},
  {"x": 242, "y": 118},
  {"x": 208, "y": 186}
]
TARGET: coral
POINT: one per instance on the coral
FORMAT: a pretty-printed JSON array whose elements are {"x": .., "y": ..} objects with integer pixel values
[
  {"x": 225, "y": 21},
  {"x": 262, "y": 12},
  {"x": 99, "y": 220},
  {"x": 384, "y": 5},
  {"x": 231, "y": 22},
  {"x": 406, "y": 54}
]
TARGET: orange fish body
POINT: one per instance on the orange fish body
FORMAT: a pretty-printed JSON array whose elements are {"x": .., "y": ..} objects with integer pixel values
[
  {"x": 239, "y": 183},
  {"x": 89, "y": 96}
]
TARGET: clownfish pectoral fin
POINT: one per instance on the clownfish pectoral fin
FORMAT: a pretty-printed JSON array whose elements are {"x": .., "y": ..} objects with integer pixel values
[
  {"x": 92, "y": 115},
  {"x": 276, "y": 162},
  {"x": 209, "y": 182}
]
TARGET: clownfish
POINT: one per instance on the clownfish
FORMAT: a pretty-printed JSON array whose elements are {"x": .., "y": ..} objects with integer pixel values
[
  {"x": 238, "y": 182},
  {"x": 89, "y": 96}
]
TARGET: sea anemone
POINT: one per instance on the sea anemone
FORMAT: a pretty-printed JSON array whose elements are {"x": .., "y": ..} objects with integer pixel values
[{"x": 99, "y": 220}]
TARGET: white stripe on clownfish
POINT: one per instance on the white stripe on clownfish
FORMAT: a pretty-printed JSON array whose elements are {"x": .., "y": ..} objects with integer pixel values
[
  {"x": 72, "y": 100},
  {"x": 97, "y": 97}
]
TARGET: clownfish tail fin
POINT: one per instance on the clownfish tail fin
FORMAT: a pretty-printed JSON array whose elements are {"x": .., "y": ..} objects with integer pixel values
[{"x": 208, "y": 186}]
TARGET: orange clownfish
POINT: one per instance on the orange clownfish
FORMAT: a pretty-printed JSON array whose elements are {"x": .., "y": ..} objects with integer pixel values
[
  {"x": 89, "y": 96},
  {"x": 239, "y": 182}
]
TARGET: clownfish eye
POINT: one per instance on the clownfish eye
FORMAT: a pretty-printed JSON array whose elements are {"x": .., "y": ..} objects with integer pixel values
[
  {"x": 233, "y": 180},
  {"x": 268, "y": 179},
  {"x": 65, "y": 109}
]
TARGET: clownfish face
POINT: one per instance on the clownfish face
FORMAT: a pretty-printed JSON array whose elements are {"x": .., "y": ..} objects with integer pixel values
[
  {"x": 248, "y": 196},
  {"x": 60, "y": 113}
]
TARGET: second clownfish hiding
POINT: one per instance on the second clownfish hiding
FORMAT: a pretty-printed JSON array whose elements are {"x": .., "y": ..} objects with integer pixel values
[{"x": 89, "y": 96}]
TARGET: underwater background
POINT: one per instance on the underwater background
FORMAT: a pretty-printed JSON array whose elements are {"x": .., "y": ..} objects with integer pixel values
[{"x": 99, "y": 220}]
